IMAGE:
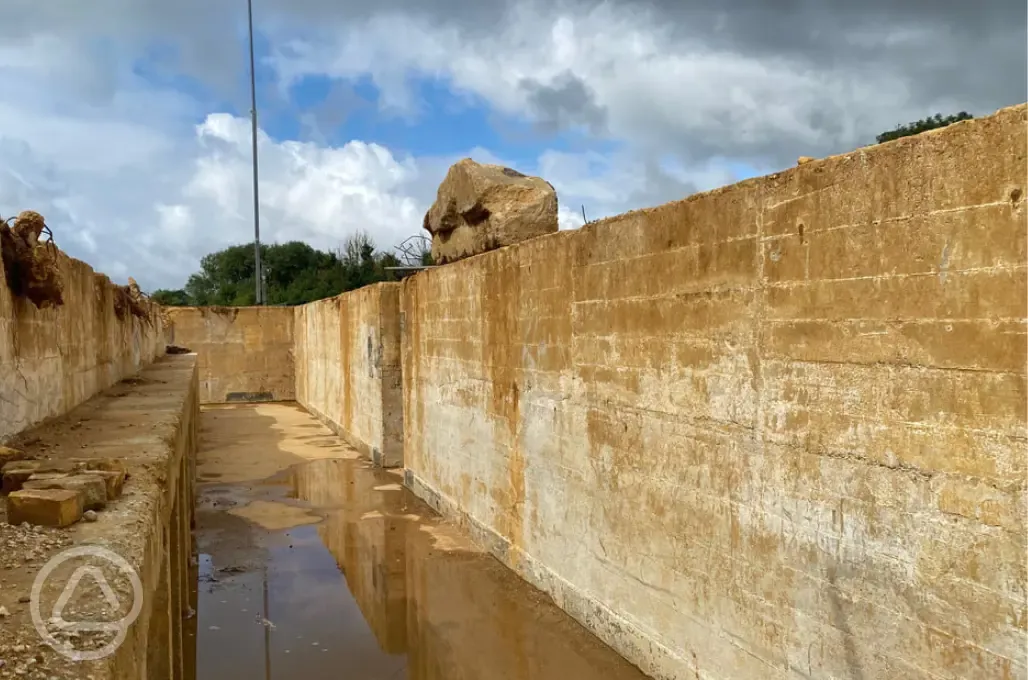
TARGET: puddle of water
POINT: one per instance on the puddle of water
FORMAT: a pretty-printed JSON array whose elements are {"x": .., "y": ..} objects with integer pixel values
[
  {"x": 292, "y": 618},
  {"x": 378, "y": 590},
  {"x": 274, "y": 516}
]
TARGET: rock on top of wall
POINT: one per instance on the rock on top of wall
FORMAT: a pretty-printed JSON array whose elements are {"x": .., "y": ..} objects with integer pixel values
[{"x": 483, "y": 207}]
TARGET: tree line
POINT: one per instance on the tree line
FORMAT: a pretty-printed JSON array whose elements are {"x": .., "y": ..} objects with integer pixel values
[
  {"x": 294, "y": 273},
  {"x": 923, "y": 125}
]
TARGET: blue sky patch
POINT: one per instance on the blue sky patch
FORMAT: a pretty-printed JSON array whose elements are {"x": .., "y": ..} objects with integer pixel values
[{"x": 329, "y": 111}]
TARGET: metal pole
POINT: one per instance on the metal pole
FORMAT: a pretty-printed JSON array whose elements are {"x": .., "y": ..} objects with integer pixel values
[
  {"x": 253, "y": 134},
  {"x": 267, "y": 632}
]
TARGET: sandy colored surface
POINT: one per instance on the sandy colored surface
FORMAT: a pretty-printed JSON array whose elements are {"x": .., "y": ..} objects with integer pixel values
[
  {"x": 769, "y": 431},
  {"x": 285, "y": 435},
  {"x": 274, "y": 516},
  {"x": 52, "y": 360},
  {"x": 380, "y": 587},
  {"x": 148, "y": 424},
  {"x": 246, "y": 353},
  {"x": 347, "y": 354}
]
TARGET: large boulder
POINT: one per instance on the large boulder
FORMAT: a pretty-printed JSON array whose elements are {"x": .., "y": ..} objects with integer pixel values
[{"x": 484, "y": 207}]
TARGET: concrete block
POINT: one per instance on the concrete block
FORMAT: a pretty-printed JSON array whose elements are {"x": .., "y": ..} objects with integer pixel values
[
  {"x": 17, "y": 473},
  {"x": 57, "y": 465},
  {"x": 8, "y": 455},
  {"x": 92, "y": 487},
  {"x": 37, "y": 475},
  {"x": 113, "y": 479},
  {"x": 46, "y": 507}
]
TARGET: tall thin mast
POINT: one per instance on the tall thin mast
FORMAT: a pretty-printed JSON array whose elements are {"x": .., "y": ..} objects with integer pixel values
[{"x": 253, "y": 133}]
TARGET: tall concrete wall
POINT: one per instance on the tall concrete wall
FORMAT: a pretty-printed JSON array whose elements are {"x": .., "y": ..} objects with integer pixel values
[
  {"x": 245, "y": 353},
  {"x": 347, "y": 351},
  {"x": 339, "y": 358},
  {"x": 776, "y": 430},
  {"x": 54, "y": 359}
]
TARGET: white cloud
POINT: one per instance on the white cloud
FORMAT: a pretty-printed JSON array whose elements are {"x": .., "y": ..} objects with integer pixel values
[
  {"x": 659, "y": 90},
  {"x": 148, "y": 196},
  {"x": 308, "y": 192},
  {"x": 142, "y": 179}
]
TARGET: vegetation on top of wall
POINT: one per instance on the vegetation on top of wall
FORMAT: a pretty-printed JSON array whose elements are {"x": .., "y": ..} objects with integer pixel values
[
  {"x": 31, "y": 265},
  {"x": 923, "y": 125},
  {"x": 131, "y": 300},
  {"x": 294, "y": 273},
  {"x": 171, "y": 298}
]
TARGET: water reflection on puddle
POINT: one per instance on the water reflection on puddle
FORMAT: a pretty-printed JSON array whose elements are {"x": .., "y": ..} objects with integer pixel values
[{"x": 371, "y": 592}]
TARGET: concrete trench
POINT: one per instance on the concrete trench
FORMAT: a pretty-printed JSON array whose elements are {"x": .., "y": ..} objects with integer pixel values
[
  {"x": 315, "y": 563},
  {"x": 797, "y": 453},
  {"x": 268, "y": 547}
]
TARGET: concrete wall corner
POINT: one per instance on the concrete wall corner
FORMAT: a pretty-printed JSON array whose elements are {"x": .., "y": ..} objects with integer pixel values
[
  {"x": 347, "y": 368},
  {"x": 245, "y": 353}
]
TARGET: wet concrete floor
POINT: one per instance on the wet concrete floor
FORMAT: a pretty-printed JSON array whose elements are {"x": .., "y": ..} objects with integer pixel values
[{"x": 315, "y": 565}]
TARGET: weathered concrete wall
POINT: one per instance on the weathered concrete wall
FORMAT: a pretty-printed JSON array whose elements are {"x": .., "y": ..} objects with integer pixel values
[
  {"x": 347, "y": 351},
  {"x": 246, "y": 353},
  {"x": 54, "y": 359},
  {"x": 776, "y": 430}
]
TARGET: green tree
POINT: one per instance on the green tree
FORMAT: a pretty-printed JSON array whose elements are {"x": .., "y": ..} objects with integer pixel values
[
  {"x": 923, "y": 125},
  {"x": 171, "y": 298},
  {"x": 225, "y": 277},
  {"x": 294, "y": 273}
]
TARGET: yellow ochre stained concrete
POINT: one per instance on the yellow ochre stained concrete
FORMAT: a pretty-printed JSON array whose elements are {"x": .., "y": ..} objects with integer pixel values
[{"x": 774, "y": 430}]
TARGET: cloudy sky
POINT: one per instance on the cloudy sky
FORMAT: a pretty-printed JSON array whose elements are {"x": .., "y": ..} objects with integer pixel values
[{"x": 125, "y": 122}]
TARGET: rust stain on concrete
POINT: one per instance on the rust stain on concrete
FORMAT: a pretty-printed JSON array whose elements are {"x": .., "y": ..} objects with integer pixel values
[{"x": 795, "y": 401}]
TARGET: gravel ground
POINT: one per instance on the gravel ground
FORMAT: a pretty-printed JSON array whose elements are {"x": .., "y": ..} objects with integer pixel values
[{"x": 23, "y": 550}]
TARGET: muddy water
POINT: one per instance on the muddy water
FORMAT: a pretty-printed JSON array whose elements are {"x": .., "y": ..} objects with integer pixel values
[{"x": 332, "y": 569}]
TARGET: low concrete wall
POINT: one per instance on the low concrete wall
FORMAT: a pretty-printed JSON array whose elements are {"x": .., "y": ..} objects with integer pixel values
[
  {"x": 54, "y": 359},
  {"x": 246, "y": 353},
  {"x": 347, "y": 351},
  {"x": 151, "y": 426},
  {"x": 776, "y": 430}
]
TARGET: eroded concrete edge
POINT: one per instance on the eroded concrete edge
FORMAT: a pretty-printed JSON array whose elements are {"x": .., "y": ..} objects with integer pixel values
[
  {"x": 624, "y": 637},
  {"x": 167, "y": 517}
]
